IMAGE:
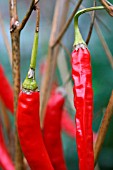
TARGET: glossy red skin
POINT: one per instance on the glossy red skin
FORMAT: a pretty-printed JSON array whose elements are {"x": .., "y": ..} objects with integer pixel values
[
  {"x": 52, "y": 131},
  {"x": 83, "y": 101},
  {"x": 29, "y": 132},
  {"x": 6, "y": 92},
  {"x": 5, "y": 159},
  {"x": 68, "y": 125}
]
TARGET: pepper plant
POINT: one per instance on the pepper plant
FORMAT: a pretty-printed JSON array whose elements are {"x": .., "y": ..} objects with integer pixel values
[{"x": 29, "y": 96}]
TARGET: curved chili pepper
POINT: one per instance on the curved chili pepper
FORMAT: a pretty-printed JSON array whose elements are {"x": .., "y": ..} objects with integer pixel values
[
  {"x": 5, "y": 159},
  {"x": 52, "y": 130},
  {"x": 29, "y": 131},
  {"x": 6, "y": 92},
  {"x": 83, "y": 97},
  {"x": 28, "y": 124},
  {"x": 83, "y": 100}
]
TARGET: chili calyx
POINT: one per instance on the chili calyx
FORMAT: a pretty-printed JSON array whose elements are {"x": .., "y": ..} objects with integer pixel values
[
  {"x": 30, "y": 82},
  {"x": 82, "y": 46}
]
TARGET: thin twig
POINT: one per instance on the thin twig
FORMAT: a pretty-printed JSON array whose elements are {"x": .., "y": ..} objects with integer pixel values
[
  {"x": 25, "y": 19},
  {"x": 97, "y": 167},
  {"x": 69, "y": 77},
  {"x": 52, "y": 61},
  {"x": 98, "y": 18},
  {"x": 65, "y": 49},
  {"x": 13, "y": 8},
  {"x": 103, "y": 128},
  {"x": 65, "y": 73},
  {"x": 104, "y": 44},
  {"x": 37, "y": 18},
  {"x": 108, "y": 6},
  {"x": 8, "y": 128},
  {"x": 103, "y": 23},
  {"x": 91, "y": 26},
  {"x": 109, "y": 3},
  {"x": 5, "y": 38},
  {"x": 67, "y": 80},
  {"x": 59, "y": 20},
  {"x": 64, "y": 29}
]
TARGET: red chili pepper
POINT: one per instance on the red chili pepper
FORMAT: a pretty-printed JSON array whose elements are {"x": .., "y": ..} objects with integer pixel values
[
  {"x": 83, "y": 99},
  {"x": 52, "y": 130},
  {"x": 28, "y": 124},
  {"x": 5, "y": 159},
  {"x": 6, "y": 92},
  {"x": 29, "y": 131}
]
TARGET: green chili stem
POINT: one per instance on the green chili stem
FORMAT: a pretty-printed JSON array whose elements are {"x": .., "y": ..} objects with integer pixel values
[
  {"x": 30, "y": 82},
  {"x": 34, "y": 52},
  {"x": 78, "y": 36}
]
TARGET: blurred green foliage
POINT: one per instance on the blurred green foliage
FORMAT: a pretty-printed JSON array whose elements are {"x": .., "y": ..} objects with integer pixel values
[{"x": 101, "y": 68}]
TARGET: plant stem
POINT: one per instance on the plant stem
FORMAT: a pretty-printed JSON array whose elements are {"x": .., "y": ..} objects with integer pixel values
[
  {"x": 16, "y": 80},
  {"x": 65, "y": 27},
  {"x": 104, "y": 44},
  {"x": 5, "y": 38},
  {"x": 108, "y": 6},
  {"x": 59, "y": 20},
  {"x": 103, "y": 128},
  {"x": 91, "y": 25},
  {"x": 53, "y": 51},
  {"x": 82, "y": 11},
  {"x": 25, "y": 19},
  {"x": 15, "y": 38},
  {"x": 78, "y": 37},
  {"x": 34, "y": 52},
  {"x": 30, "y": 81}
]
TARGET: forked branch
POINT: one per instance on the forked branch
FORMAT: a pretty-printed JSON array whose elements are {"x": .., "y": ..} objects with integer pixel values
[
  {"x": 25, "y": 19},
  {"x": 108, "y": 6}
]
